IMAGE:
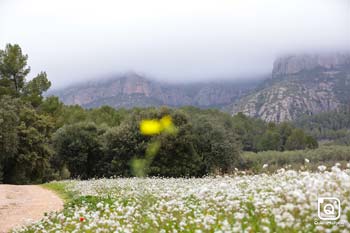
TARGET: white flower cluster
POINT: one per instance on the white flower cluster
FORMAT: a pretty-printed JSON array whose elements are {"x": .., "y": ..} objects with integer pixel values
[{"x": 282, "y": 202}]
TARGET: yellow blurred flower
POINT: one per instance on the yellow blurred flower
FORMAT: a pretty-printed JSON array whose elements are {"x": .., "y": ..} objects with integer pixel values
[
  {"x": 166, "y": 121},
  {"x": 150, "y": 127}
]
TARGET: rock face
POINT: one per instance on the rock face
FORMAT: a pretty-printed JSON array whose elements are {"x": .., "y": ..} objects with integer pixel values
[
  {"x": 293, "y": 64},
  {"x": 304, "y": 84},
  {"x": 132, "y": 90},
  {"x": 299, "y": 85}
]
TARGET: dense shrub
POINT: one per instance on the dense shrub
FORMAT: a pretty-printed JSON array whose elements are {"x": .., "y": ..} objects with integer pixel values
[
  {"x": 257, "y": 135},
  {"x": 333, "y": 125},
  {"x": 325, "y": 155},
  {"x": 216, "y": 139},
  {"x": 24, "y": 143},
  {"x": 205, "y": 142},
  {"x": 120, "y": 145},
  {"x": 78, "y": 148},
  {"x": 178, "y": 155}
]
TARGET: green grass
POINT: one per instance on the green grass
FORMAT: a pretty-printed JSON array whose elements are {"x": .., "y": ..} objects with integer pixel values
[{"x": 60, "y": 189}]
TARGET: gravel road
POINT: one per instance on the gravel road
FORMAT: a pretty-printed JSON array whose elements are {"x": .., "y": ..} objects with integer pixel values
[{"x": 22, "y": 204}]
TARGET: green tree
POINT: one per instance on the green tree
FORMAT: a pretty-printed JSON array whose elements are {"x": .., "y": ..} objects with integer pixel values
[
  {"x": 249, "y": 131},
  {"x": 285, "y": 130},
  {"x": 107, "y": 115},
  {"x": 25, "y": 134},
  {"x": 296, "y": 141},
  {"x": 71, "y": 114},
  {"x": 269, "y": 141},
  {"x": 121, "y": 145},
  {"x": 34, "y": 89},
  {"x": 9, "y": 121},
  {"x": 30, "y": 162},
  {"x": 217, "y": 145},
  {"x": 216, "y": 136},
  {"x": 311, "y": 142},
  {"x": 177, "y": 155},
  {"x": 51, "y": 106},
  {"x": 13, "y": 70},
  {"x": 78, "y": 148}
]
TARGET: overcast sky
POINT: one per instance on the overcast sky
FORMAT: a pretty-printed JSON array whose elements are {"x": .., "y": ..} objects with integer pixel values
[{"x": 179, "y": 40}]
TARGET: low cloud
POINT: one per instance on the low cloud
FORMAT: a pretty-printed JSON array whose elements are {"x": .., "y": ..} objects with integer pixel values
[{"x": 173, "y": 41}]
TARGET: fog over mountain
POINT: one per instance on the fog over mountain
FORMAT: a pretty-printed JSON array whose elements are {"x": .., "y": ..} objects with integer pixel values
[{"x": 173, "y": 41}]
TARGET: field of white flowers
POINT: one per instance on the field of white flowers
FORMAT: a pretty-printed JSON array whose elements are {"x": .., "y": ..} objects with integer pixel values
[{"x": 282, "y": 202}]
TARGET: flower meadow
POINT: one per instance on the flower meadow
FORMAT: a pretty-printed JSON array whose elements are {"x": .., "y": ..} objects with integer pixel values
[{"x": 285, "y": 201}]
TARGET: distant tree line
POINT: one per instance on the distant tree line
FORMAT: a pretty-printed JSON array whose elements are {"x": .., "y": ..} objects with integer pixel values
[
  {"x": 334, "y": 125},
  {"x": 257, "y": 135},
  {"x": 42, "y": 139},
  {"x": 299, "y": 159}
]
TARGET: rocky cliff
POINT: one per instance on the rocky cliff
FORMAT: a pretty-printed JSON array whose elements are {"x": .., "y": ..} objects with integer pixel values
[
  {"x": 293, "y": 64},
  {"x": 133, "y": 90},
  {"x": 300, "y": 84}
]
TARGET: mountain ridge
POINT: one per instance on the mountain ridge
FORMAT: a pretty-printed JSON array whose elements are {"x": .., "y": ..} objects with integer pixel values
[
  {"x": 133, "y": 90},
  {"x": 300, "y": 85}
]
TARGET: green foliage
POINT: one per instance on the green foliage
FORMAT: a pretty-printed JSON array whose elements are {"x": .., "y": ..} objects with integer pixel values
[
  {"x": 77, "y": 146},
  {"x": 32, "y": 160},
  {"x": 65, "y": 115},
  {"x": 71, "y": 115},
  {"x": 333, "y": 125},
  {"x": 51, "y": 106},
  {"x": 249, "y": 131},
  {"x": 121, "y": 144},
  {"x": 106, "y": 115},
  {"x": 13, "y": 70},
  {"x": 257, "y": 135},
  {"x": 296, "y": 141},
  {"x": 311, "y": 142},
  {"x": 285, "y": 130},
  {"x": 324, "y": 155},
  {"x": 25, "y": 153},
  {"x": 9, "y": 122},
  {"x": 34, "y": 89},
  {"x": 177, "y": 155},
  {"x": 270, "y": 140},
  {"x": 205, "y": 142},
  {"x": 215, "y": 140}
]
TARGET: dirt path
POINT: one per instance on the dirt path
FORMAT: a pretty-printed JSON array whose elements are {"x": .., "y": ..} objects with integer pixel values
[{"x": 22, "y": 204}]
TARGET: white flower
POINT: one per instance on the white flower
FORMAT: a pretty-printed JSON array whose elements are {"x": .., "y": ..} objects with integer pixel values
[
  {"x": 99, "y": 205},
  {"x": 321, "y": 168},
  {"x": 282, "y": 170},
  {"x": 265, "y": 165},
  {"x": 307, "y": 161},
  {"x": 208, "y": 204}
]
